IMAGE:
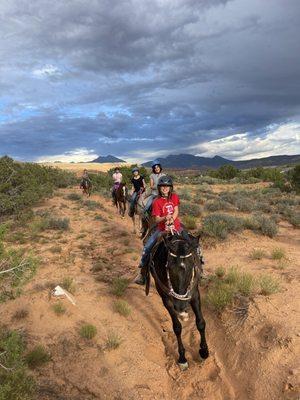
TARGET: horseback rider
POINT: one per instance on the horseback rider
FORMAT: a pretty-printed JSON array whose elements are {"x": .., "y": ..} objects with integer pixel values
[
  {"x": 117, "y": 178},
  {"x": 85, "y": 178},
  {"x": 138, "y": 187},
  {"x": 154, "y": 178},
  {"x": 165, "y": 209}
]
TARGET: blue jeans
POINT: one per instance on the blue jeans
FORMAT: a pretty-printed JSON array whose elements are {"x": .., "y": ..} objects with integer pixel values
[
  {"x": 149, "y": 202},
  {"x": 132, "y": 202}
]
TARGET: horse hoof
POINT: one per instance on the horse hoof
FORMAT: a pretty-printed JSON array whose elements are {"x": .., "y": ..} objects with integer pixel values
[
  {"x": 183, "y": 366},
  {"x": 204, "y": 353},
  {"x": 184, "y": 316}
]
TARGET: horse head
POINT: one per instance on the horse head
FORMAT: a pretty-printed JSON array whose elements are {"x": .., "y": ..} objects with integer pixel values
[{"x": 181, "y": 267}]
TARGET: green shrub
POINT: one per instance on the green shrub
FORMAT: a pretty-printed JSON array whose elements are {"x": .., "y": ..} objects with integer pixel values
[
  {"x": 37, "y": 357},
  {"x": 219, "y": 296},
  {"x": 88, "y": 331},
  {"x": 119, "y": 286},
  {"x": 184, "y": 194},
  {"x": 268, "y": 285},
  {"x": 122, "y": 307},
  {"x": 216, "y": 205},
  {"x": 24, "y": 184},
  {"x": 190, "y": 209},
  {"x": 91, "y": 204},
  {"x": 262, "y": 224},
  {"x": 15, "y": 383},
  {"x": 219, "y": 225},
  {"x": 189, "y": 222}
]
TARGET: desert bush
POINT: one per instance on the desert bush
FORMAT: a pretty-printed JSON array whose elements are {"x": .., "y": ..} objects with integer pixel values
[
  {"x": 184, "y": 194},
  {"x": 217, "y": 205},
  {"x": 122, "y": 307},
  {"x": 191, "y": 209},
  {"x": 15, "y": 382},
  {"x": 294, "y": 176},
  {"x": 59, "y": 223},
  {"x": 37, "y": 357},
  {"x": 268, "y": 285},
  {"x": 266, "y": 226},
  {"x": 220, "y": 272},
  {"x": 74, "y": 196},
  {"x": 119, "y": 286},
  {"x": 91, "y": 204},
  {"x": 219, "y": 225},
  {"x": 88, "y": 331},
  {"x": 24, "y": 184},
  {"x": 189, "y": 222}
]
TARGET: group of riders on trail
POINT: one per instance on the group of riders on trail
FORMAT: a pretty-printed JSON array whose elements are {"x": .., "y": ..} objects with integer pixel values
[
  {"x": 162, "y": 204},
  {"x": 171, "y": 255}
]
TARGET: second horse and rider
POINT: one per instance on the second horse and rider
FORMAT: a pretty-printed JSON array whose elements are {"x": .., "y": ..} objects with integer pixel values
[{"x": 162, "y": 204}]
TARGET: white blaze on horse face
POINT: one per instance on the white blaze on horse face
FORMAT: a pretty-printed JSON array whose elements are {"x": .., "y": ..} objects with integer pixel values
[{"x": 124, "y": 191}]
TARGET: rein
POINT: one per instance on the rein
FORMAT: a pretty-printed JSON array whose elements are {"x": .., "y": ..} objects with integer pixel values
[{"x": 169, "y": 290}]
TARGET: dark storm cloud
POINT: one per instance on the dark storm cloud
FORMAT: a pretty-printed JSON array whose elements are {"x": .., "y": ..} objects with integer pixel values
[{"x": 76, "y": 74}]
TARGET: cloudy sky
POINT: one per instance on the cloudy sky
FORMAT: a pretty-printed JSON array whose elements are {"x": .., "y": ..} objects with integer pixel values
[{"x": 139, "y": 79}]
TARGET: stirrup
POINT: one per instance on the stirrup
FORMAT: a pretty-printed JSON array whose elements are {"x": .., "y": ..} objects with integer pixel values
[{"x": 140, "y": 279}]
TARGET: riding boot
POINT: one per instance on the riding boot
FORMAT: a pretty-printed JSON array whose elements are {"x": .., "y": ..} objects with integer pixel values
[{"x": 140, "y": 279}]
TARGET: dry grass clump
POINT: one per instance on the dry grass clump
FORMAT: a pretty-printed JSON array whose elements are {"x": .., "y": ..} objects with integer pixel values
[
  {"x": 119, "y": 286},
  {"x": 21, "y": 313},
  {"x": 257, "y": 254},
  {"x": 68, "y": 284},
  {"x": 59, "y": 308},
  {"x": 37, "y": 357},
  {"x": 113, "y": 341},
  {"x": 88, "y": 331},
  {"x": 278, "y": 254},
  {"x": 268, "y": 285},
  {"x": 122, "y": 307}
]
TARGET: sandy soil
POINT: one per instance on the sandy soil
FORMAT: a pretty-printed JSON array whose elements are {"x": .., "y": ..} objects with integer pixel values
[{"x": 250, "y": 361}]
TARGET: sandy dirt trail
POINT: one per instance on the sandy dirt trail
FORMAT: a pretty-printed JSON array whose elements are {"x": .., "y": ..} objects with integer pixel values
[{"x": 256, "y": 360}]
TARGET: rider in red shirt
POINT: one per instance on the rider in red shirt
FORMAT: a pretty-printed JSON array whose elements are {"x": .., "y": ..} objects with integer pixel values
[{"x": 165, "y": 210}]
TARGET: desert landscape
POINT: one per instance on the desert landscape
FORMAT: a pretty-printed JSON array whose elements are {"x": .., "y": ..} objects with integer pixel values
[{"x": 116, "y": 343}]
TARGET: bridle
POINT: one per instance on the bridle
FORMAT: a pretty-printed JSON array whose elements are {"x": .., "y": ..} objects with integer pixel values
[{"x": 169, "y": 290}]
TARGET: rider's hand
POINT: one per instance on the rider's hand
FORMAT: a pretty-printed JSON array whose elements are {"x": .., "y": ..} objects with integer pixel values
[{"x": 169, "y": 217}]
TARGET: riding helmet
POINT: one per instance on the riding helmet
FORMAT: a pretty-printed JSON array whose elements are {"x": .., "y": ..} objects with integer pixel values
[
  {"x": 154, "y": 163},
  {"x": 165, "y": 180},
  {"x": 135, "y": 169}
]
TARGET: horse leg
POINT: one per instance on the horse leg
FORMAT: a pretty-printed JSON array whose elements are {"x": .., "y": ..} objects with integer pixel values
[
  {"x": 200, "y": 322},
  {"x": 177, "y": 328}
]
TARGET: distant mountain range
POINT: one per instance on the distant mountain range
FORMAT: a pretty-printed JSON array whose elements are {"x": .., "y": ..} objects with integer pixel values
[
  {"x": 107, "y": 159},
  {"x": 189, "y": 161}
]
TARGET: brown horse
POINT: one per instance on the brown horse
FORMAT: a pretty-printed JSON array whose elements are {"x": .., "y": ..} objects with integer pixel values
[
  {"x": 120, "y": 198},
  {"x": 86, "y": 186}
]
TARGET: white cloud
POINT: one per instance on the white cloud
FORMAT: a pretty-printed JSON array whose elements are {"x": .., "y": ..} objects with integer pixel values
[
  {"x": 284, "y": 139},
  {"x": 108, "y": 140},
  {"x": 46, "y": 71},
  {"x": 76, "y": 155}
]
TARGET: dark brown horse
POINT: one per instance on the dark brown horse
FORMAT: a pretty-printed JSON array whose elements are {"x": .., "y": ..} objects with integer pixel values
[
  {"x": 120, "y": 198},
  {"x": 176, "y": 268},
  {"x": 86, "y": 186}
]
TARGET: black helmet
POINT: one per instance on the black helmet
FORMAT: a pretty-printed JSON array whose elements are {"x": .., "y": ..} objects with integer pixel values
[{"x": 165, "y": 181}]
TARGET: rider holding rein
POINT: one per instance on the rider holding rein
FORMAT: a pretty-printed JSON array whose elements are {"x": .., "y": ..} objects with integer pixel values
[
  {"x": 138, "y": 187},
  {"x": 165, "y": 209},
  {"x": 117, "y": 178}
]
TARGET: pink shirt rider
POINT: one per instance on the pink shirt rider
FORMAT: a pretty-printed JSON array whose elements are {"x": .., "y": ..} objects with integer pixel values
[{"x": 117, "y": 177}]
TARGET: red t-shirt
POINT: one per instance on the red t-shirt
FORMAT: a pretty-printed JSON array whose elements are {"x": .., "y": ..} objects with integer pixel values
[{"x": 162, "y": 207}]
